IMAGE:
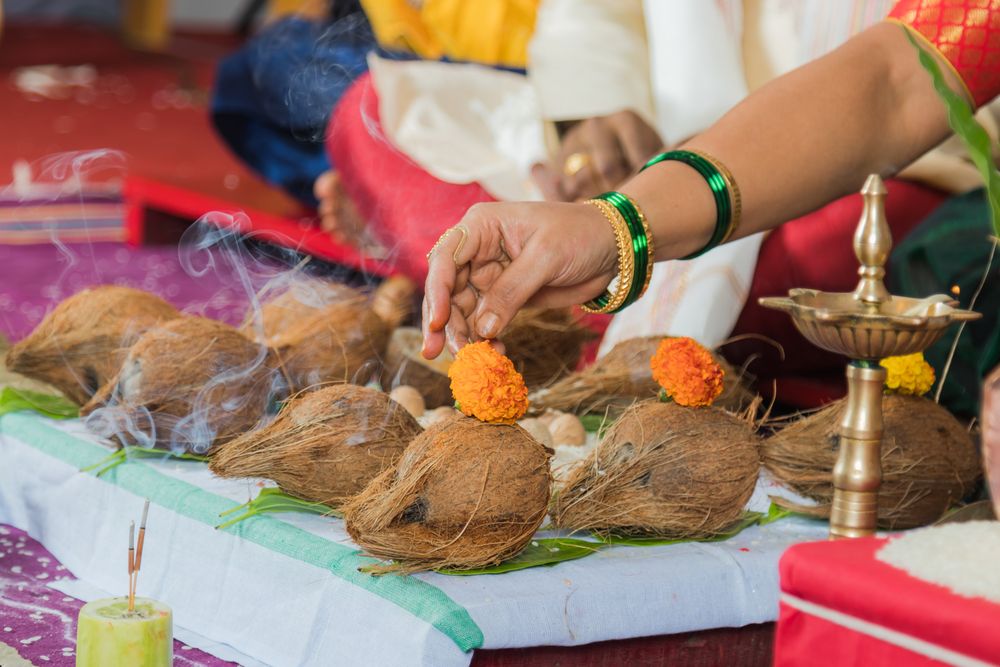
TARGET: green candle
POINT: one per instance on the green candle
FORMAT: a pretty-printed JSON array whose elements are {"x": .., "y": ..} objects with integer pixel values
[{"x": 109, "y": 635}]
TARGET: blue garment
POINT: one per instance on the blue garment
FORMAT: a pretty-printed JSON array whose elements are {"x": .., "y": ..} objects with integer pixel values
[{"x": 273, "y": 98}]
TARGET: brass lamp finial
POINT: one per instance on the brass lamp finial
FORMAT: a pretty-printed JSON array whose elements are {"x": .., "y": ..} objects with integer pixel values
[{"x": 872, "y": 243}]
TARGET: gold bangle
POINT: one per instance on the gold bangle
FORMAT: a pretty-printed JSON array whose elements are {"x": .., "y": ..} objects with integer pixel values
[
  {"x": 735, "y": 198},
  {"x": 626, "y": 263},
  {"x": 650, "y": 248}
]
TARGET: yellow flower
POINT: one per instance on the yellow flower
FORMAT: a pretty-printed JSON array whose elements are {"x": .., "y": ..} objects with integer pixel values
[
  {"x": 909, "y": 375},
  {"x": 486, "y": 385},
  {"x": 687, "y": 372}
]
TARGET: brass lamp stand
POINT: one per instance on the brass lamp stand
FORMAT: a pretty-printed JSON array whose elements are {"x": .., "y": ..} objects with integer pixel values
[{"x": 866, "y": 325}]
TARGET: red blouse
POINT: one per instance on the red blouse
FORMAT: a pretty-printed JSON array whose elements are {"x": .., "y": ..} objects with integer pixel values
[{"x": 967, "y": 35}]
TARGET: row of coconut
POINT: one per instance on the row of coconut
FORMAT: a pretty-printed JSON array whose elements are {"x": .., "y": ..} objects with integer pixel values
[{"x": 462, "y": 493}]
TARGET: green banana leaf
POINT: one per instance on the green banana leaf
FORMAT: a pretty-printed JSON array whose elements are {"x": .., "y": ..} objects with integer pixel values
[
  {"x": 748, "y": 519},
  {"x": 596, "y": 423},
  {"x": 963, "y": 122},
  {"x": 56, "y": 407},
  {"x": 272, "y": 499},
  {"x": 540, "y": 552},
  {"x": 125, "y": 453},
  {"x": 552, "y": 550}
]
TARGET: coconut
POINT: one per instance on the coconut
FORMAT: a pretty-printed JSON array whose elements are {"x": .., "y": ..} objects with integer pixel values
[
  {"x": 190, "y": 384},
  {"x": 622, "y": 377},
  {"x": 544, "y": 344},
  {"x": 404, "y": 365},
  {"x": 929, "y": 460},
  {"x": 465, "y": 494},
  {"x": 321, "y": 334},
  {"x": 81, "y": 344},
  {"x": 664, "y": 470},
  {"x": 285, "y": 310},
  {"x": 324, "y": 446}
]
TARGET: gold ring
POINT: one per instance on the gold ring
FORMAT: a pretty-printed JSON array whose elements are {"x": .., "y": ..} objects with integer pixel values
[
  {"x": 575, "y": 163},
  {"x": 443, "y": 237}
]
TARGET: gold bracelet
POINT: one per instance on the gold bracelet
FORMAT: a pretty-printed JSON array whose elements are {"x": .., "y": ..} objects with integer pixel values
[
  {"x": 735, "y": 198},
  {"x": 609, "y": 302},
  {"x": 650, "y": 249}
]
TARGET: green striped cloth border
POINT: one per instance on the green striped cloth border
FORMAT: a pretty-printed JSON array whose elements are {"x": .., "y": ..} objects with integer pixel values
[{"x": 421, "y": 599}]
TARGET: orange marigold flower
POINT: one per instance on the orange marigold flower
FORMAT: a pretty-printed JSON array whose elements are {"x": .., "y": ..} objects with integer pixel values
[
  {"x": 687, "y": 372},
  {"x": 486, "y": 385}
]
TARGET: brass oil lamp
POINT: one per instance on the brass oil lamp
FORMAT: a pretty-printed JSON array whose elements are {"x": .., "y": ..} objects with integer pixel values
[{"x": 866, "y": 325}]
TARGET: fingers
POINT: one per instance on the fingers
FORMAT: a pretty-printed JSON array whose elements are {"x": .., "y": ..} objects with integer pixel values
[
  {"x": 547, "y": 182},
  {"x": 608, "y": 158},
  {"x": 434, "y": 341},
  {"x": 604, "y": 164},
  {"x": 511, "y": 289},
  {"x": 639, "y": 141},
  {"x": 447, "y": 279}
]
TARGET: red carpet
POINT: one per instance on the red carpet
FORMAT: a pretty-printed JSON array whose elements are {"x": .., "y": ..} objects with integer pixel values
[{"x": 151, "y": 107}]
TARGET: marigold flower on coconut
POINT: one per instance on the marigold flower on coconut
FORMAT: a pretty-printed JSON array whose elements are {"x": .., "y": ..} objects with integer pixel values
[
  {"x": 909, "y": 374},
  {"x": 687, "y": 372},
  {"x": 486, "y": 385}
]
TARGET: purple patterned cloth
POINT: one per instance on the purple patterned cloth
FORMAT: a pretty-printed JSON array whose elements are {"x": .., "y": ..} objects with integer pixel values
[
  {"x": 36, "y": 277},
  {"x": 40, "y": 622}
]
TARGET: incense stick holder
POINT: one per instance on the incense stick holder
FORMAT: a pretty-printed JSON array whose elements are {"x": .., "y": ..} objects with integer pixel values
[
  {"x": 866, "y": 325},
  {"x": 109, "y": 635}
]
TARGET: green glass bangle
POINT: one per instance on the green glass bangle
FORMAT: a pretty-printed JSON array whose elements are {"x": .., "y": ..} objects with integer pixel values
[
  {"x": 640, "y": 243},
  {"x": 716, "y": 183}
]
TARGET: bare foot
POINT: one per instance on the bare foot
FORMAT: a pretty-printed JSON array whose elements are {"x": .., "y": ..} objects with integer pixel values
[{"x": 340, "y": 218}]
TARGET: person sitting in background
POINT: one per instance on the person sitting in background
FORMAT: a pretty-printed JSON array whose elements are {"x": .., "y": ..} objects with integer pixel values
[
  {"x": 809, "y": 136},
  {"x": 273, "y": 99}
]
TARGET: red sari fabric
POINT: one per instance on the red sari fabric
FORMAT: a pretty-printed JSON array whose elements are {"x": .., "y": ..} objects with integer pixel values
[
  {"x": 967, "y": 35},
  {"x": 407, "y": 209}
]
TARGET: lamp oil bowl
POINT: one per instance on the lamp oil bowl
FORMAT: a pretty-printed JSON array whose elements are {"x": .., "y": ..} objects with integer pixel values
[{"x": 866, "y": 325}]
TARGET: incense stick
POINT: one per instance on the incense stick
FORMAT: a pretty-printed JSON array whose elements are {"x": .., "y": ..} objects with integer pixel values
[
  {"x": 142, "y": 537},
  {"x": 131, "y": 565}
]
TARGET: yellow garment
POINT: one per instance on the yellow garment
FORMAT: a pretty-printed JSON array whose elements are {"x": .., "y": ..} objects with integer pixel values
[{"x": 490, "y": 32}]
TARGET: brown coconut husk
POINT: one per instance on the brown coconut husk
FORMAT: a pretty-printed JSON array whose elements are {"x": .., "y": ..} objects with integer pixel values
[
  {"x": 81, "y": 344},
  {"x": 405, "y": 365},
  {"x": 285, "y": 309},
  {"x": 324, "y": 446},
  {"x": 190, "y": 384},
  {"x": 622, "y": 377},
  {"x": 664, "y": 470},
  {"x": 545, "y": 344},
  {"x": 326, "y": 334},
  {"x": 464, "y": 495},
  {"x": 929, "y": 460}
]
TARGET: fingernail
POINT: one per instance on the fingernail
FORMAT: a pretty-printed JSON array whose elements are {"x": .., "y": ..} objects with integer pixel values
[{"x": 488, "y": 325}]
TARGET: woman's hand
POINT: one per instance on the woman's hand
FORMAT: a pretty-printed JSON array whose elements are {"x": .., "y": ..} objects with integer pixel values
[
  {"x": 597, "y": 154},
  {"x": 503, "y": 256}
]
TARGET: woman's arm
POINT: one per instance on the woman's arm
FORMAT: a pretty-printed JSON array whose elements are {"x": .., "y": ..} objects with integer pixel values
[
  {"x": 793, "y": 145},
  {"x": 803, "y": 140}
]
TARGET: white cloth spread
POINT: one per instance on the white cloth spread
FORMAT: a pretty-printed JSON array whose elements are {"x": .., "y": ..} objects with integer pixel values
[{"x": 269, "y": 603}]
